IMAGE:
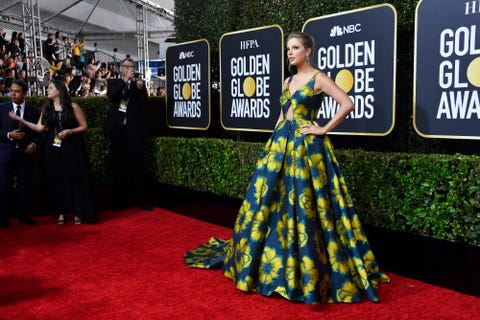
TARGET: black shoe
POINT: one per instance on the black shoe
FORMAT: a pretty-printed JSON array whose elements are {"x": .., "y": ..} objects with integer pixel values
[
  {"x": 4, "y": 224},
  {"x": 28, "y": 221}
]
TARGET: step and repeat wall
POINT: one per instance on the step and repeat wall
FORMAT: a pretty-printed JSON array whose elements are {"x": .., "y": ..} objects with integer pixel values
[{"x": 357, "y": 49}]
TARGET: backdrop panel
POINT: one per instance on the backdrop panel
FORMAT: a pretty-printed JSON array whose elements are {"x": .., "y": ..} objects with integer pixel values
[
  {"x": 358, "y": 50},
  {"x": 251, "y": 76},
  {"x": 447, "y": 69},
  {"x": 188, "y": 85}
]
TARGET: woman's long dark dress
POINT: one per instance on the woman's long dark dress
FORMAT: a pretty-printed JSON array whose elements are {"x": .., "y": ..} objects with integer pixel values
[{"x": 68, "y": 171}]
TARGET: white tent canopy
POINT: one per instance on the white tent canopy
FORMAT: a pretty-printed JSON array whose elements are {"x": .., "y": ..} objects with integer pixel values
[{"x": 107, "y": 23}]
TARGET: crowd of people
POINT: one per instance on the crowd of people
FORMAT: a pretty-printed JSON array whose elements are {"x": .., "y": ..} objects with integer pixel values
[{"x": 61, "y": 60}]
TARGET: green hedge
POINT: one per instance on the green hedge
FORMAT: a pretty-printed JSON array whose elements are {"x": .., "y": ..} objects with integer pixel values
[
  {"x": 99, "y": 152},
  {"x": 217, "y": 166},
  {"x": 432, "y": 195}
]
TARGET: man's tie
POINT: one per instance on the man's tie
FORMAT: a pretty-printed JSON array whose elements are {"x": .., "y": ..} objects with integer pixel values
[{"x": 19, "y": 114}]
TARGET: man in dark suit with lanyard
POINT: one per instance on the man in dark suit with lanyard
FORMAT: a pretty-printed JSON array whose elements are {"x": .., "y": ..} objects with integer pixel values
[
  {"x": 17, "y": 146},
  {"x": 123, "y": 126}
]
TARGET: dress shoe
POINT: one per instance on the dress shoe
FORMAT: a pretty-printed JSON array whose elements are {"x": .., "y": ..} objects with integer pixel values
[
  {"x": 4, "y": 224},
  {"x": 28, "y": 221}
]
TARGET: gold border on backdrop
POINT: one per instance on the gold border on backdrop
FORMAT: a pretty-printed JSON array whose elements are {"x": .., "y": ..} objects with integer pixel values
[
  {"x": 209, "y": 87},
  {"x": 414, "y": 105},
  {"x": 220, "y": 73},
  {"x": 394, "y": 64}
]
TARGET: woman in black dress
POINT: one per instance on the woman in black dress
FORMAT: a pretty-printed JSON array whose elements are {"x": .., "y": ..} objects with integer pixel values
[{"x": 67, "y": 167}]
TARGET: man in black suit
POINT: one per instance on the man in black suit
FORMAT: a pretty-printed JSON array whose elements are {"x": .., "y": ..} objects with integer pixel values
[
  {"x": 123, "y": 126},
  {"x": 17, "y": 147}
]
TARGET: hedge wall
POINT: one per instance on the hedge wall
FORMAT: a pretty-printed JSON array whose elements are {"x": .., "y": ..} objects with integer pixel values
[{"x": 432, "y": 195}]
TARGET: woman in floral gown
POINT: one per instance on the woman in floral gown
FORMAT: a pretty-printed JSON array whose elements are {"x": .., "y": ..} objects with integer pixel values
[{"x": 297, "y": 233}]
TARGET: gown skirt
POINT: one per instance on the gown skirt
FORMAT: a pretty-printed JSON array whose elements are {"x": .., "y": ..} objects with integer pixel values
[
  {"x": 297, "y": 232},
  {"x": 68, "y": 175}
]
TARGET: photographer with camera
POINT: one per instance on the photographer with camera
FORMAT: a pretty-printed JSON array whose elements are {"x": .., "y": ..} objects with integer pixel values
[{"x": 123, "y": 126}]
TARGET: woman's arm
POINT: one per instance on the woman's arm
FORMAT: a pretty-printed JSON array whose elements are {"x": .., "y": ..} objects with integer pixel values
[
  {"x": 325, "y": 84},
  {"x": 82, "y": 122},
  {"x": 38, "y": 127}
]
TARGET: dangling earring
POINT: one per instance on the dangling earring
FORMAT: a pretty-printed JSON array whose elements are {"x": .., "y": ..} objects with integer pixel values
[{"x": 308, "y": 59}]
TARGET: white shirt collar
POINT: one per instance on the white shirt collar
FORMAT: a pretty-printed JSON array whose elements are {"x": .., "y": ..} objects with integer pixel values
[{"x": 22, "y": 107}]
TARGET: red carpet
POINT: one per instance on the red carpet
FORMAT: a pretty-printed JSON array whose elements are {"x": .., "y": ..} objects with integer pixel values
[{"x": 130, "y": 266}]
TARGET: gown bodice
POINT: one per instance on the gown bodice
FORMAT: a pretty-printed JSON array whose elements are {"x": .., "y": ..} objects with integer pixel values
[{"x": 304, "y": 101}]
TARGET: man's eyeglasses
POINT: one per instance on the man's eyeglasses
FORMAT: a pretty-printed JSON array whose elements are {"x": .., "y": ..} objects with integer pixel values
[{"x": 127, "y": 66}]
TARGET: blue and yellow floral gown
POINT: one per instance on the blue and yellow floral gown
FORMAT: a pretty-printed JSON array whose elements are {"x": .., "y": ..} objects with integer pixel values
[{"x": 297, "y": 232}]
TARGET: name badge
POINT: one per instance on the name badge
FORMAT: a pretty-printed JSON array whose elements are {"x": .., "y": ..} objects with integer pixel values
[
  {"x": 123, "y": 106},
  {"x": 57, "y": 142}
]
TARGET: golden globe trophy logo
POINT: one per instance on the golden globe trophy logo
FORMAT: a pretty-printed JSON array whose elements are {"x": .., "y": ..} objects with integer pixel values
[
  {"x": 188, "y": 85},
  {"x": 251, "y": 76},
  {"x": 447, "y": 69},
  {"x": 357, "y": 49}
]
